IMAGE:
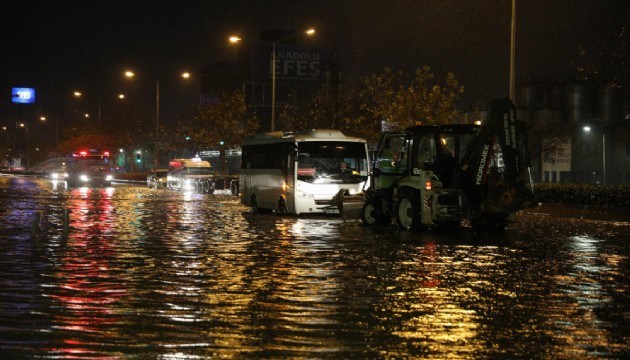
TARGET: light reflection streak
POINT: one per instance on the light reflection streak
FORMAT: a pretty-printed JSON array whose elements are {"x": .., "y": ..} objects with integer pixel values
[
  {"x": 87, "y": 294},
  {"x": 581, "y": 295}
]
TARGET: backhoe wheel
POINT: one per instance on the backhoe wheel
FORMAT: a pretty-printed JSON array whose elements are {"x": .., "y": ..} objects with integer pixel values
[
  {"x": 407, "y": 215},
  {"x": 371, "y": 213}
]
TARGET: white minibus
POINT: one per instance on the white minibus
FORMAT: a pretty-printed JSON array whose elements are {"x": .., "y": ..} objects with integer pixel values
[{"x": 301, "y": 172}]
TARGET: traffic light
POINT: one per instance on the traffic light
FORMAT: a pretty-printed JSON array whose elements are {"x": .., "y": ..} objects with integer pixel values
[
  {"x": 221, "y": 142},
  {"x": 138, "y": 157}
]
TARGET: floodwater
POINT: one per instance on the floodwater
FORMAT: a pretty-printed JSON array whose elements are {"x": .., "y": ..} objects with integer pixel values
[{"x": 160, "y": 274}]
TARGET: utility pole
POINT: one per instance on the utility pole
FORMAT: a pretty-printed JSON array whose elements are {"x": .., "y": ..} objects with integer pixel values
[{"x": 513, "y": 52}]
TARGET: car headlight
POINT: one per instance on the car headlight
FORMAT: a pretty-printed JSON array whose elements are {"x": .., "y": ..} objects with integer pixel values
[
  {"x": 188, "y": 184},
  {"x": 109, "y": 178},
  {"x": 84, "y": 178},
  {"x": 54, "y": 176}
]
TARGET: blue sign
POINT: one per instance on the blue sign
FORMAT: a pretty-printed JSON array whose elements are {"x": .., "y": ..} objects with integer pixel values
[{"x": 23, "y": 95}]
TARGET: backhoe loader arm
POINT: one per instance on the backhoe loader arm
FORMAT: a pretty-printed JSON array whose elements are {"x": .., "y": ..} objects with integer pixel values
[{"x": 494, "y": 170}]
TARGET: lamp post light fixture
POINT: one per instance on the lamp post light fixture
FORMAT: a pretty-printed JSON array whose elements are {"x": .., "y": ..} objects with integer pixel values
[
  {"x": 25, "y": 127},
  {"x": 130, "y": 74},
  {"x": 4, "y": 128},
  {"x": 79, "y": 94},
  {"x": 587, "y": 129},
  {"x": 236, "y": 39}
]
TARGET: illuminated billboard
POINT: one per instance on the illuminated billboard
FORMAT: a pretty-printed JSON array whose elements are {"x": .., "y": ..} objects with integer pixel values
[
  {"x": 292, "y": 62},
  {"x": 23, "y": 95}
]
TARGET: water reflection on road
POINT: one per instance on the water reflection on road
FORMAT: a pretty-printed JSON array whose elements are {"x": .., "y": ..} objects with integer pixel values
[{"x": 154, "y": 273}]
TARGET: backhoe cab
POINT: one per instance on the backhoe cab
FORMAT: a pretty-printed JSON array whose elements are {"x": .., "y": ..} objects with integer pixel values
[{"x": 439, "y": 175}]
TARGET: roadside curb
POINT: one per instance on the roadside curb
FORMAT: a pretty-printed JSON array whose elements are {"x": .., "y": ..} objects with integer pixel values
[{"x": 581, "y": 211}]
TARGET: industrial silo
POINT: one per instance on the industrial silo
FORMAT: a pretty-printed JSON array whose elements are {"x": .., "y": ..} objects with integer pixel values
[
  {"x": 529, "y": 95},
  {"x": 577, "y": 102},
  {"x": 609, "y": 105},
  {"x": 552, "y": 96}
]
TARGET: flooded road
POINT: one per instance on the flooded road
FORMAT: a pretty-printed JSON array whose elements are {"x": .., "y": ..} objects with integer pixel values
[{"x": 160, "y": 274}]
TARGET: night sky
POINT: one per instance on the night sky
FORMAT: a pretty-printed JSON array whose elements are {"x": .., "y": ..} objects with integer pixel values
[{"x": 58, "y": 46}]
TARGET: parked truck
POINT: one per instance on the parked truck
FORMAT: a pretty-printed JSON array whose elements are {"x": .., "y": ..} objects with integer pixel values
[
  {"x": 439, "y": 175},
  {"x": 193, "y": 175}
]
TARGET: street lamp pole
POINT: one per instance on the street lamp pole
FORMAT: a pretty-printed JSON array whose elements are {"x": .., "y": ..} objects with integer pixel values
[
  {"x": 604, "y": 157},
  {"x": 28, "y": 155},
  {"x": 273, "y": 88},
  {"x": 513, "y": 52},
  {"x": 587, "y": 130},
  {"x": 157, "y": 120},
  {"x": 236, "y": 39}
]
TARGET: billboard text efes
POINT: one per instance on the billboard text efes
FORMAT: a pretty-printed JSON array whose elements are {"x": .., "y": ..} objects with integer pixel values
[{"x": 294, "y": 64}]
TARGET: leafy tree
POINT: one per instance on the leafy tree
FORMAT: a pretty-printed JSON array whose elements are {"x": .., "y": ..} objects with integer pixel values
[
  {"x": 399, "y": 100},
  {"x": 608, "y": 63},
  {"x": 222, "y": 124},
  {"x": 225, "y": 122},
  {"x": 323, "y": 112}
]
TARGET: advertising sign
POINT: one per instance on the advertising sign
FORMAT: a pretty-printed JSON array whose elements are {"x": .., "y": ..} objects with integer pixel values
[
  {"x": 292, "y": 62},
  {"x": 23, "y": 95},
  {"x": 556, "y": 156}
]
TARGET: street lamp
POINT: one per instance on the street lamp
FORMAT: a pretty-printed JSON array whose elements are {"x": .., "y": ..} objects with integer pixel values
[
  {"x": 130, "y": 74},
  {"x": 79, "y": 94},
  {"x": 587, "y": 130},
  {"x": 513, "y": 52},
  {"x": 237, "y": 39},
  {"x": 4, "y": 128},
  {"x": 25, "y": 127}
]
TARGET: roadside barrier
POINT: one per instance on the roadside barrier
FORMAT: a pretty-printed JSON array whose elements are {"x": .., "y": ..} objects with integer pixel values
[
  {"x": 66, "y": 222},
  {"x": 38, "y": 217},
  {"x": 35, "y": 224}
]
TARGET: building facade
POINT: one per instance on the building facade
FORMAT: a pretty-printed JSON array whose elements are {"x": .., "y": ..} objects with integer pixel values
[{"x": 578, "y": 132}]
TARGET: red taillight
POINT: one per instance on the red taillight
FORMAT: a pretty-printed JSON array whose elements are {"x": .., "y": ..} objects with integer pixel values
[
  {"x": 427, "y": 185},
  {"x": 106, "y": 153}
]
